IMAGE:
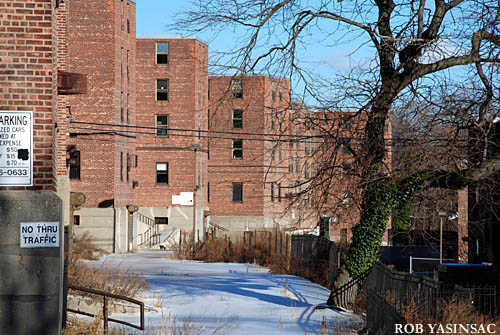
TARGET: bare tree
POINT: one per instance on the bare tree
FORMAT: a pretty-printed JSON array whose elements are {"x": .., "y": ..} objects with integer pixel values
[{"x": 435, "y": 64}]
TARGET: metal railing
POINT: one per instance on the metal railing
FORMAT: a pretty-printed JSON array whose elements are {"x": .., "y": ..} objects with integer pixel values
[{"x": 105, "y": 296}]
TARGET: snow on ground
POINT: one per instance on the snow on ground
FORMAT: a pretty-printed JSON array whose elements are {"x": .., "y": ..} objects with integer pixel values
[{"x": 242, "y": 298}]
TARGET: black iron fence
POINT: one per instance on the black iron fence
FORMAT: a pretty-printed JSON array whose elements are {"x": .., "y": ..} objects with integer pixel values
[
  {"x": 389, "y": 293},
  {"x": 318, "y": 253}
]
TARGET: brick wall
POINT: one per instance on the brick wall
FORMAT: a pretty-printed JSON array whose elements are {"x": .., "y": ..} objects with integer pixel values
[
  {"x": 98, "y": 45},
  {"x": 186, "y": 109},
  {"x": 255, "y": 170},
  {"x": 26, "y": 74}
]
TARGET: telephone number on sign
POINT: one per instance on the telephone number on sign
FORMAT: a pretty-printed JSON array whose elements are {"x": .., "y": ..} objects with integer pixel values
[{"x": 13, "y": 172}]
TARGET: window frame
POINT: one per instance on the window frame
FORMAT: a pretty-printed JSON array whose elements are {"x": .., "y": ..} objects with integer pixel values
[
  {"x": 162, "y": 127},
  {"x": 163, "y": 90},
  {"x": 76, "y": 168},
  {"x": 237, "y": 89},
  {"x": 236, "y": 149},
  {"x": 163, "y": 172},
  {"x": 161, "y": 53},
  {"x": 237, "y": 119},
  {"x": 235, "y": 197}
]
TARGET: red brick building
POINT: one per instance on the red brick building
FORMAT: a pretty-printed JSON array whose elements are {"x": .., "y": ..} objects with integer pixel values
[
  {"x": 102, "y": 46},
  {"x": 247, "y": 153},
  {"x": 29, "y": 60},
  {"x": 172, "y": 105}
]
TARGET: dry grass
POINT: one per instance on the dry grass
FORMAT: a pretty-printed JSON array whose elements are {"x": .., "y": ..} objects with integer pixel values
[
  {"x": 453, "y": 311},
  {"x": 276, "y": 260},
  {"x": 100, "y": 278}
]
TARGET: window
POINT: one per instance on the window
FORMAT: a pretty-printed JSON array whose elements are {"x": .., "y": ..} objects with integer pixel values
[
  {"x": 290, "y": 165},
  {"x": 279, "y": 192},
  {"x": 346, "y": 167},
  {"x": 128, "y": 166},
  {"x": 280, "y": 157},
  {"x": 161, "y": 220},
  {"x": 121, "y": 107},
  {"x": 162, "y": 89},
  {"x": 272, "y": 191},
  {"x": 128, "y": 110},
  {"x": 279, "y": 120},
  {"x": 237, "y": 88},
  {"x": 121, "y": 166},
  {"x": 162, "y": 125},
  {"x": 345, "y": 198},
  {"x": 306, "y": 146},
  {"x": 237, "y": 148},
  {"x": 346, "y": 122},
  {"x": 306, "y": 170},
  {"x": 237, "y": 192},
  {"x": 208, "y": 192},
  {"x": 297, "y": 164},
  {"x": 162, "y": 173},
  {"x": 74, "y": 165},
  {"x": 280, "y": 94},
  {"x": 76, "y": 220},
  {"x": 128, "y": 26},
  {"x": 128, "y": 71},
  {"x": 237, "y": 119},
  {"x": 346, "y": 142},
  {"x": 161, "y": 52}
]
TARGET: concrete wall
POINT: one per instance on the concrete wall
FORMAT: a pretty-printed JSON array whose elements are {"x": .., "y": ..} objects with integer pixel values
[
  {"x": 31, "y": 278},
  {"x": 107, "y": 226}
]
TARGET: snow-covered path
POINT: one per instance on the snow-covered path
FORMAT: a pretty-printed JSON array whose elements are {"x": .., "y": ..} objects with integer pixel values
[{"x": 245, "y": 298}]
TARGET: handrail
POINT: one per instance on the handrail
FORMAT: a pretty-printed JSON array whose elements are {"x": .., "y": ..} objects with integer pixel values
[{"x": 105, "y": 306}]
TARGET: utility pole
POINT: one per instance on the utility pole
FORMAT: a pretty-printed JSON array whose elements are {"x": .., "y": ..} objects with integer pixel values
[{"x": 195, "y": 148}]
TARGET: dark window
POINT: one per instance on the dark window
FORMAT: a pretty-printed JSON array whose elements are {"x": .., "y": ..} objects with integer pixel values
[
  {"x": 128, "y": 166},
  {"x": 162, "y": 89},
  {"x": 237, "y": 148},
  {"x": 162, "y": 173},
  {"x": 297, "y": 164},
  {"x": 121, "y": 107},
  {"x": 162, "y": 125},
  {"x": 74, "y": 165},
  {"x": 237, "y": 192},
  {"x": 237, "y": 88},
  {"x": 279, "y": 192},
  {"x": 306, "y": 170},
  {"x": 121, "y": 166},
  {"x": 121, "y": 21},
  {"x": 272, "y": 191},
  {"x": 290, "y": 165},
  {"x": 208, "y": 192},
  {"x": 237, "y": 118},
  {"x": 346, "y": 146},
  {"x": 128, "y": 108},
  {"x": 346, "y": 167},
  {"x": 76, "y": 220},
  {"x": 161, "y": 220},
  {"x": 161, "y": 52},
  {"x": 346, "y": 122},
  {"x": 128, "y": 26},
  {"x": 128, "y": 71}
]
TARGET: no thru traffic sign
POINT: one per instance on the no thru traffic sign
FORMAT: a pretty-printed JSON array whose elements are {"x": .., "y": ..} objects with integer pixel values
[{"x": 39, "y": 234}]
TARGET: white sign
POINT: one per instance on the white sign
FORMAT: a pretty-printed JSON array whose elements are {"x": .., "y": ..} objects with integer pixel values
[
  {"x": 16, "y": 143},
  {"x": 39, "y": 234},
  {"x": 185, "y": 198}
]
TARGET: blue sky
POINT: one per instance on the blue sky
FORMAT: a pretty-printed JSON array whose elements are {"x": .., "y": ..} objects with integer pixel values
[{"x": 153, "y": 16}]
